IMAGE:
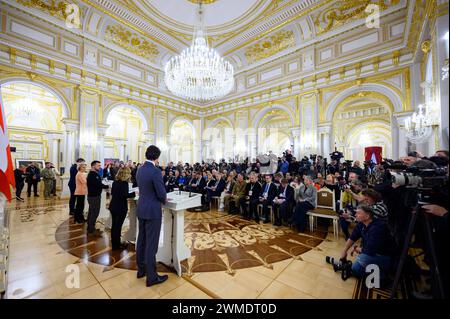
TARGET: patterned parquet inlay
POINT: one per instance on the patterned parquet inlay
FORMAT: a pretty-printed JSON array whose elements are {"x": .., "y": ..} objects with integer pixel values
[{"x": 218, "y": 242}]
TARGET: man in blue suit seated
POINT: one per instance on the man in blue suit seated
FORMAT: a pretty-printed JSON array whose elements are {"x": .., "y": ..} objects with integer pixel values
[
  {"x": 215, "y": 190},
  {"x": 152, "y": 195}
]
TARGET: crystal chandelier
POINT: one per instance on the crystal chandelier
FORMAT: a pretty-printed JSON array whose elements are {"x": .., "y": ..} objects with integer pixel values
[
  {"x": 28, "y": 108},
  {"x": 419, "y": 125},
  {"x": 199, "y": 73}
]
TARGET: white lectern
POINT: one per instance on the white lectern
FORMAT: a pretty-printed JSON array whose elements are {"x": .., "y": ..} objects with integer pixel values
[{"x": 171, "y": 247}]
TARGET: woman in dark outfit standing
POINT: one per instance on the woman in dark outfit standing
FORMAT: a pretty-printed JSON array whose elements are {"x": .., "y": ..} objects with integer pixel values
[{"x": 119, "y": 205}]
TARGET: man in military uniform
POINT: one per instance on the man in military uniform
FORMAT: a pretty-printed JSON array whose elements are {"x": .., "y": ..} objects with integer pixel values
[{"x": 49, "y": 176}]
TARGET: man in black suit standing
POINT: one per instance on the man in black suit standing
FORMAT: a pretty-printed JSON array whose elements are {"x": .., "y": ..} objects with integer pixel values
[
  {"x": 33, "y": 178},
  {"x": 152, "y": 195}
]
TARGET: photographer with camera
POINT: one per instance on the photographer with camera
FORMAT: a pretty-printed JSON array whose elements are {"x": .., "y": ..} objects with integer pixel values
[
  {"x": 333, "y": 167},
  {"x": 376, "y": 243},
  {"x": 350, "y": 198},
  {"x": 374, "y": 200},
  {"x": 356, "y": 168}
]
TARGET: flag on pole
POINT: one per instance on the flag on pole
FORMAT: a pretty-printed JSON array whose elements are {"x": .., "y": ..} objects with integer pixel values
[{"x": 6, "y": 166}]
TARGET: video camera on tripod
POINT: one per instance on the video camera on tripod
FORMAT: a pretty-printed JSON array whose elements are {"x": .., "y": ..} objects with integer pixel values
[
  {"x": 420, "y": 184},
  {"x": 336, "y": 155}
]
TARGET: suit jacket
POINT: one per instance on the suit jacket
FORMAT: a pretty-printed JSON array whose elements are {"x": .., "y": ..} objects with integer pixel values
[
  {"x": 239, "y": 189},
  {"x": 201, "y": 185},
  {"x": 271, "y": 193},
  {"x": 73, "y": 174},
  {"x": 220, "y": 186},
  {"x": 119, "y": 196},
  {"x": 309, "y": 194},
  {"x": 19, "y": 177},
  {"x": 256, "y": 190},
  {"x": 33, "y": 171},
  {"x": 288, "y": 195},
  {"x": 152, "y": 192}
]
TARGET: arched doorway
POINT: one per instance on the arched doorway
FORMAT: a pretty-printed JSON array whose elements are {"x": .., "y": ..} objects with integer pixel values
[
  {"x": 363, "y": 120},
  {"x": 273, "y": 132},
  {"x": 34, "y": 115},
  {"x": 221, "y": 141},
  {"x": 124, "y": 137},
  {"x": 181, "y": 143}
]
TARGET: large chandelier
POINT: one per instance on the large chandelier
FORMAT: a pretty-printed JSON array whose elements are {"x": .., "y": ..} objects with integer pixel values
[
  {"x": 419, "y": 125},
  {"x": 199, "y": 72}
]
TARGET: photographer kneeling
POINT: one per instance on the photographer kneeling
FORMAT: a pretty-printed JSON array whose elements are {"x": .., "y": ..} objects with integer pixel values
[{"x": 376, "y": 243}]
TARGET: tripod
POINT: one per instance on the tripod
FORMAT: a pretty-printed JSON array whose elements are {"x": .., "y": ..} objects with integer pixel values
[{"x": 438, "y": 290}]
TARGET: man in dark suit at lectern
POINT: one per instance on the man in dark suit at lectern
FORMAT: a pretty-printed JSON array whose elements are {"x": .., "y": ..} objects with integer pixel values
[{"x": 152, "y": 195}]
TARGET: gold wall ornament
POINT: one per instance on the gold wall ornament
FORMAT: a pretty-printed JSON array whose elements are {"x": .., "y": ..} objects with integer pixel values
[
  {"x": 270, "y": 46},
  {"x": 341, "y": 12},
  {"x": 426, "y": 46},
  {"x": 202, "y": 1},
  {"x": 131, "y": 42},
  {"x": 55, "y": 8}
]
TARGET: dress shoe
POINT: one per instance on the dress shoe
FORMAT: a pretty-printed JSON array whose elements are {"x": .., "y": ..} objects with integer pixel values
[
  {"x": 96, "y": 232},
  {"x": 36, "y": 195},
  {"x": 140, "y": 274},
  {"x": 120, "y": 247},
  {"x": 159, "y": 280},
  {"x": 266, "y": 221}
]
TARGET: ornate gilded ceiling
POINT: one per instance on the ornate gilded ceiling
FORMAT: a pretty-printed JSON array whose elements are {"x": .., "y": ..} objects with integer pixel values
[
  {"x": 271, "y": 43},
  {"x": 244, "y": 31}
]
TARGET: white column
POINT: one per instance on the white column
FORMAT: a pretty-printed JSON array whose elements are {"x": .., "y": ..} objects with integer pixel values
[
  {"x": 442, "y": 89},
  {"x": 395, "y": 138},
  {"x": 326, "y": 144},
  {"x": 149, "y": 138},
  {"x": 100, "y": 150},
  {"x": 251, "y": 143},
  {"x": 53, "y": 142},
  {"x": 69, "y": 144},
  {"x": 402, "y": 144},
  {"x": 296, "y": 132},
  {"x": 207, "y": 150}
]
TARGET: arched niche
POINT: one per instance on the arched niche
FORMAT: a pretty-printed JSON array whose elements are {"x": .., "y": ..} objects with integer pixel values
[
  {"x": 124, "y": 136},
  {"x": 273, "y": 129},
  {"x": 34, "y": 115},
  {"x": 360, "y": 120},
  {"x": 181, "y": 141}
]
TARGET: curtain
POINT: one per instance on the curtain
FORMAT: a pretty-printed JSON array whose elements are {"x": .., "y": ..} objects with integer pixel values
[{"x": 373, "y": 153}]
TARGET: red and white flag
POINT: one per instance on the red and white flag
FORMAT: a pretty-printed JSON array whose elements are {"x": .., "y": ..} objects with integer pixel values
[{"x": 6, "y": 166}]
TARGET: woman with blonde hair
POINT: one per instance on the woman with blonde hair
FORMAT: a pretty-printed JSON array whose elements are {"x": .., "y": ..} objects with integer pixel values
[
  {"x": 119, "y": 205},
  {"x": 80, "y": 193}
]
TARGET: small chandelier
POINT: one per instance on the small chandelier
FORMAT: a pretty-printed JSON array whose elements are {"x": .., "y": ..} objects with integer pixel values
[
  {"x": 419, "y": 125},
  {"x": 199, "y": 73}
]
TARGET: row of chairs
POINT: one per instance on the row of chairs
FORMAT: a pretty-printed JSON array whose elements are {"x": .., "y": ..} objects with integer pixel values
[{"x": 324, "y": 209}]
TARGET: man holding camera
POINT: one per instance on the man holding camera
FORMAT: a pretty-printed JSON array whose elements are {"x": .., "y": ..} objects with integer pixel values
[
  {"x": 350, "y": 198},
  {"x": 376, "y": 243}
]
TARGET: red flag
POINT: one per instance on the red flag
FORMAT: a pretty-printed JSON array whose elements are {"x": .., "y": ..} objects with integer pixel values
[{"x": 6, "y": 166}]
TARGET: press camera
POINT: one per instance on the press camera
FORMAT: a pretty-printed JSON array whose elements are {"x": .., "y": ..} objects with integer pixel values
[{"x": 343, "y": 265}]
